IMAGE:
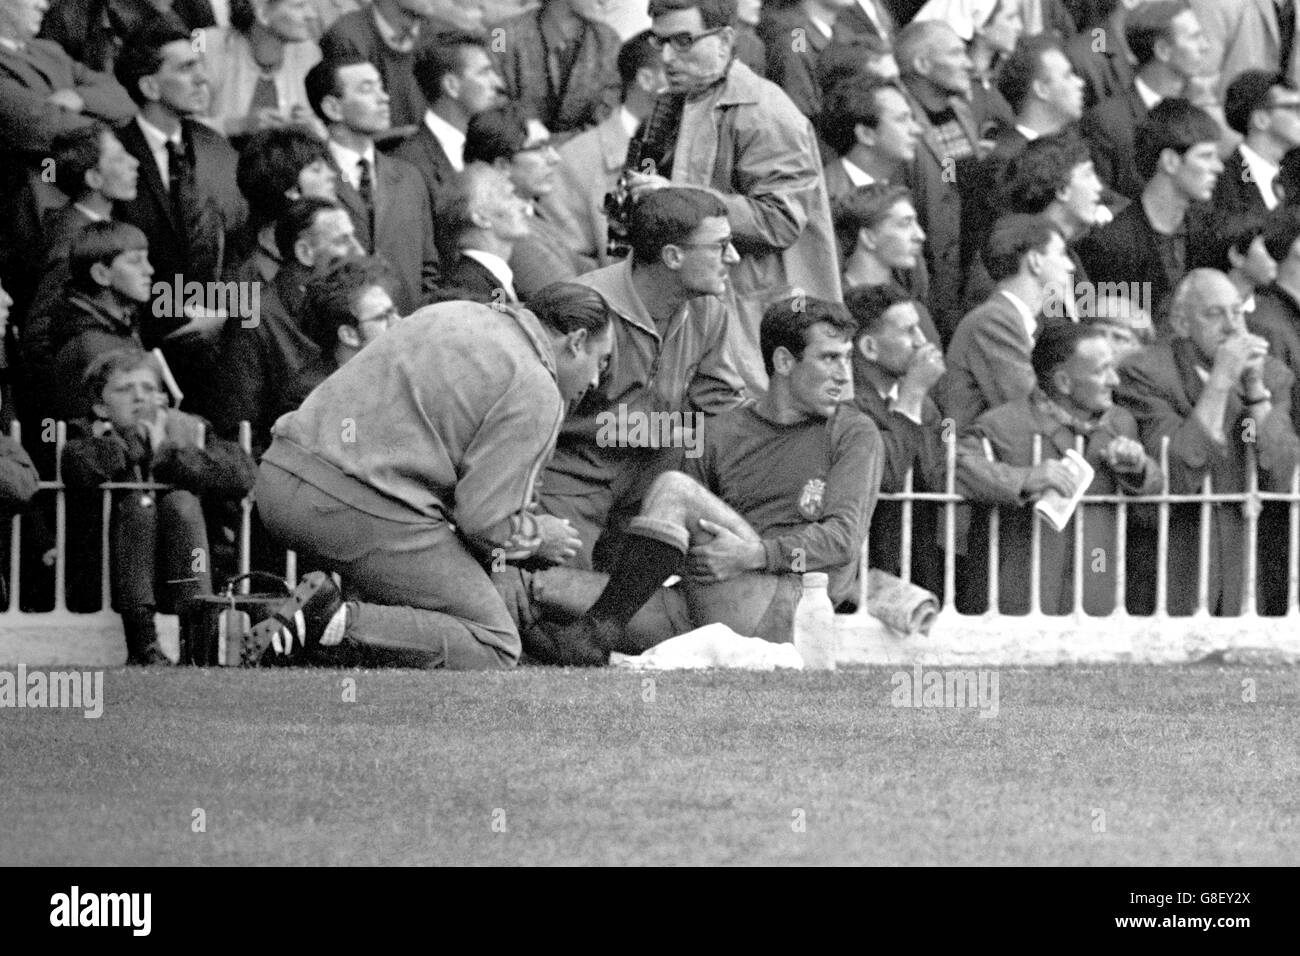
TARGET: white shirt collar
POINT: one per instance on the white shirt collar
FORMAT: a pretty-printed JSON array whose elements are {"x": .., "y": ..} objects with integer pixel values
[
  {"x": 857, "y": 175},
  {"x": 892, "y": 394},
  {"x": 822, "y": 26},
  {"x": 157, "y": 142},
  {"x": 869, "y": 8},
  {"x": 89, "y": 213},
  {"x": 347, "y": 159},
  {"x": 449, "y": 138},
  {"x": 499, "y": 268},
  {"x": 629, "y": 122},
  {"x": 1149, "y": 96},
  {"x": 1262, "y": 171},
  {"x": 1027, "y": 133},
  {"x": 12, "y": 45},
  {"x": 1026, "y": 313}
]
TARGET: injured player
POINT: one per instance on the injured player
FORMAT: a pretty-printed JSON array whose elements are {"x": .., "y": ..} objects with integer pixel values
[{"x": 783, "y": 486}]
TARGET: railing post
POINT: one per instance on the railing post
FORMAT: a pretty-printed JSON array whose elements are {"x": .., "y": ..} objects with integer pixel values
[
  {"x": 1079, "y": 548},
  {"x": 1251, "y": 507},
  {"x": 245, "y": 514},
  {"x": 1036, "y": 545},
  {"x": 1162, "y": 535},
  {"x": 15, "y": 538},
  {"x": 1203, "y": 565},
  {"x": 950, "y": 526},
  {"x": 60, "y": 521},
  {"x": 994, "y": 581}
]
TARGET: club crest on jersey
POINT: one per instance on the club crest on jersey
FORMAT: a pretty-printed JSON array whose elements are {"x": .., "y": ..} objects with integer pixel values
[{"x": 812, "y": 498}]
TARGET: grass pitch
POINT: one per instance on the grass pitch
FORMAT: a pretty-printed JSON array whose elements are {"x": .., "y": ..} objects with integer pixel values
[{"x": 1097, "y": 766}]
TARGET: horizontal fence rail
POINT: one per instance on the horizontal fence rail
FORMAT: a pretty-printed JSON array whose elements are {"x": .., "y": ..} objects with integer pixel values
[{"x": 991, "y": 636}]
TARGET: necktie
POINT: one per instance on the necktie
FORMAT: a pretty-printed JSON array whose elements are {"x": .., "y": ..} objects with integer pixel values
[
  {"x": 366, "y": 190},
  {"x": 176, "y": 174},
  {"x": 199, "y": 223}
]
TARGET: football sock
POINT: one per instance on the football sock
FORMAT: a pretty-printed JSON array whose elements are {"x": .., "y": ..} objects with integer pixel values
[{"x": 643, "y": 565}]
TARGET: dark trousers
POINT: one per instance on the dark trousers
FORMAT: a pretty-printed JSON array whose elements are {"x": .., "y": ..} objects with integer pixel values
[
  {"x": 159, "y": 552},
  {"x": 422, "y": 600}
]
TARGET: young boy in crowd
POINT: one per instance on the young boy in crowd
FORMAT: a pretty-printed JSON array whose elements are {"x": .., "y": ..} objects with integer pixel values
[{"x": 158, "y": 542}]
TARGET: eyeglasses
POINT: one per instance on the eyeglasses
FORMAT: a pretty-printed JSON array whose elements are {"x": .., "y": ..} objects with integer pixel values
[
  {"x": 681, "y": 42},
  {"x": 721, "y": 245}
]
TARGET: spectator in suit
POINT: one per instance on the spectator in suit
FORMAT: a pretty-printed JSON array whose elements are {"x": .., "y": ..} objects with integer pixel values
[
  {"x": 19, "y": 478},
  {"x": 989, "y": 358},
  {"x": 794, "y": 34},
  {"x": 386, "y": 196},
  {"x": 749, "y": 45},
  {"x": 592, "y": 162},
  {"x": 865, "y": 56},
  {"x": 93, "y": 31},
  {"x": 559, "y": 64},
  {"x": 1265, "y": 109},
  {"x": 1052, "y": 176},
  {"x": 741, "y": 136},
  {"x": 389, "y": 34},
  {"x": 1240, "y": 252},
  {"x": 1215, "y": 392},
  {"x": 1039, "y": 83},
  {"x": 257, "y": 66},
  {"x": 990, "y": 32},
  {"x": 1073, "y": 399},
  {"x": 257, "y": 363},
  {"x": 459, "y": 80},
  {"x": 1170, "y": 46},
  {"x": 343, "y": 311},
  {"x": 480, "y": 220},
  {"x": 1125, "y": 324},
  {"x": 109, "y": 280},
  {"x": 506, "y": 139},
  {"x": 936, "y": 74},
  {"x": 276, "y": 167},
  {"x": 153, "y": 536},
  {"x": 1100, "y": 54},
  {"x": 43, "y": 90},
  {"x": 869, "y": 124},
  {"x": 1250, "y": 35},
  {"x": 187, "y": 202},
  {"x": 1158, "y": 237},
  {"x": 94, "y": 170},
  {"x": 895, "y": 368},
  {"x": 1276, "y": 312},
  {"x": 878, "y": 225}
]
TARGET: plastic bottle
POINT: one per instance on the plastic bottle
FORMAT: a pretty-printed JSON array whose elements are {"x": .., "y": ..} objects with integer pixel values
[{"x": 814, "y": 624}]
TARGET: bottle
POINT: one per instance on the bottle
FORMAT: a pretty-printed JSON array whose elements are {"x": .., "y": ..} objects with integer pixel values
[{"x": 814, "y": 624}]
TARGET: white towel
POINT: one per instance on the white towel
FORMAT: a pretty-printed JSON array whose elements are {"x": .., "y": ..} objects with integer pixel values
[{"x": 714, "y": 645}]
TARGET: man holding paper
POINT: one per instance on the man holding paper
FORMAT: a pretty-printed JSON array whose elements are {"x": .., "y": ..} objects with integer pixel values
[{"x": 1072, "y": 407}]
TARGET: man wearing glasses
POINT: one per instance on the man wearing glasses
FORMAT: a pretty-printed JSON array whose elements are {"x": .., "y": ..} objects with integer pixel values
[
  {"x": 343, "y": 311},
  {"x": 672, "y": 357},
  {"x": 741, "y": 138},
  {"x": 1217, "y": 394}
]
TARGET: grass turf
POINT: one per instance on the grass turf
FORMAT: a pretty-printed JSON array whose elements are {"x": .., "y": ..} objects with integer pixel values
[{"x": 543, "y": 766}]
